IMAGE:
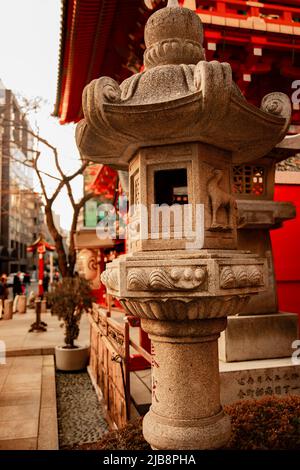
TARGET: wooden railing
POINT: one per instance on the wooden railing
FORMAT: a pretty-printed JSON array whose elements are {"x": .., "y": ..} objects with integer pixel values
[{"x": 109, "y": 366}]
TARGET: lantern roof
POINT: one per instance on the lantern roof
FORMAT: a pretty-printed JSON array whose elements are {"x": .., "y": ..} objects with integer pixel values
[{"x": 178, "y": 97}]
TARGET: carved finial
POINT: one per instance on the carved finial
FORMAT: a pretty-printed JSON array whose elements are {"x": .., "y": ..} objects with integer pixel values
[
  {"x": 173, "y": 35},
  {"x": 173, "y": 3}
]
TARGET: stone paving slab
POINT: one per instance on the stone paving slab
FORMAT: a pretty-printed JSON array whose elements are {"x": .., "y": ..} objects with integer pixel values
[
  {"x": 48, "y": 430},
  {"x": 13, "y": 412},
  {"x": 12, "y": 398},
  {"x": 19, "y": 444},
  {"x": 18, "y": 428},
  {"x": 28, "y": 418}
]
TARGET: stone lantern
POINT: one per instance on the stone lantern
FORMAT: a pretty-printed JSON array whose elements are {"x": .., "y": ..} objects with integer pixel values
[
  {"x": 259, "y": 331},
  {"x": 179, "y": 126}
]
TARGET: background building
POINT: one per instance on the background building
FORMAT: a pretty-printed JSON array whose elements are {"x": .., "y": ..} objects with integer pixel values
[{"x": 21, "y": 216}]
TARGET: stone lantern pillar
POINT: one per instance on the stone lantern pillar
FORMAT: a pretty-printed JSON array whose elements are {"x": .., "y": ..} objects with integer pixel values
[
  {"x": 259, "y": 331},
  {"x": 178, "y": 127}
]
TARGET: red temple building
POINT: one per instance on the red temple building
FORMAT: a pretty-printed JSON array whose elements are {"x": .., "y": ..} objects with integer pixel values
[{"x": 260, "y": 40}]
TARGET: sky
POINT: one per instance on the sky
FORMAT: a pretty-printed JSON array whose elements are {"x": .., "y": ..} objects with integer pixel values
[{"x": 29, "y": 54}]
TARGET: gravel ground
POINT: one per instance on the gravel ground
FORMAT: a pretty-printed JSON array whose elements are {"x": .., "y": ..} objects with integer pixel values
[{"x": 80, "y": 415}]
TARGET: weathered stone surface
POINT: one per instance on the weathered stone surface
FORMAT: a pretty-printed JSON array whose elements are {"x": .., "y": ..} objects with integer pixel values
[
  {"x": 262, "y": 214},
  {"x": 255, "y": 379},
  {"x": 184, "y": 417},
  {"x": 208, "y": 186},
  {"x": 222, "y": 275},
  {"x": 245, "y": 380},
  {"x": 258, "y": 337},
  {"x": 258, "y": 214},
  {"x": 290, "y": 164},
  {"x": 177, "y": 81}
]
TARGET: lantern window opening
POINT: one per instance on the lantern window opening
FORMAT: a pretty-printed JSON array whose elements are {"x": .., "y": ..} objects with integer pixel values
[
  {"x": 249, "y": 180},
  {"x": 171, "y": 187}
]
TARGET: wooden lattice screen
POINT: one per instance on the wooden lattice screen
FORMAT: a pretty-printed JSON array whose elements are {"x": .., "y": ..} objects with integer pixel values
[{"x": 249, "y": 180}]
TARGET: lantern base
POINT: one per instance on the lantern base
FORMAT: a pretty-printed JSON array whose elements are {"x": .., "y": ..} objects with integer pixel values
[
  {"x": 200, "y": 434},
  {"x": 185, "y": 411}
]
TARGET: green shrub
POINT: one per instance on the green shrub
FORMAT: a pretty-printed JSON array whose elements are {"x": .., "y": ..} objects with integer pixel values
[{"x": 69, "y": 299}]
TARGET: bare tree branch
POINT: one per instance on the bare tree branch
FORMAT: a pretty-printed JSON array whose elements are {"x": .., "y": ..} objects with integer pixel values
[
  {"x": 66, "y": 263},
  {"x": 35, "y": 166},
  {"x": 29, "y": 164}
]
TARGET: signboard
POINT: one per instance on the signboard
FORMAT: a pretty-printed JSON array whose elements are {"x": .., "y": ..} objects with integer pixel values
[{"x": 102, "y": 180}]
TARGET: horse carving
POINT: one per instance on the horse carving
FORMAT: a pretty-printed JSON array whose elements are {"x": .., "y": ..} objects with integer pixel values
[{"x": 220, "y": 199}]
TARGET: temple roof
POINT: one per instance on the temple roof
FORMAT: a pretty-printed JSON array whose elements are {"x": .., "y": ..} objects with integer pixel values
[
  {"x": 96, "y": 38},
  {"x": 105, "y": 38},
  {"x": 179, "y": 97}
]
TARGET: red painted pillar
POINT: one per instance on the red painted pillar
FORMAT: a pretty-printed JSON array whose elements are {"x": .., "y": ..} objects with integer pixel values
[{"x": 41, "y": 273}]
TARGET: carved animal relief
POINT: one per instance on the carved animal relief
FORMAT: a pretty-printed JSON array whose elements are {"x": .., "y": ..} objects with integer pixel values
[{"x": 220, "y": 199}]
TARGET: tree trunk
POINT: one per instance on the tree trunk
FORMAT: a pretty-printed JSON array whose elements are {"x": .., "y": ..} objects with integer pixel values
[
  {"x": 72, "y": 250},
  {"x": 58, "y": 241},
  {"x": 72, "y": 260}
]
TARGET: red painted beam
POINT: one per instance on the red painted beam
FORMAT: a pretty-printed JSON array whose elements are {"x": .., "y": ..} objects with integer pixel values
[
  {"x": 240, "y": 37},
  {"x": 254, "y": 8},
  {"x": 104, "y": 37}
]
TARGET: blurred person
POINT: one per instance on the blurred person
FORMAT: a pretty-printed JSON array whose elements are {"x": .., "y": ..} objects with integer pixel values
[
  {"x": 46, "y": 280},
  {"x": 26, "y": 282},
  {"x": 5, "y": 286},
  {"x": 17, "y": 285},
  {"x": 3, "y": 292}
]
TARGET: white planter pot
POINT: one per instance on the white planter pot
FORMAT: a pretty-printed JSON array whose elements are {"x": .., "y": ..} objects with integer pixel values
[{"x": 71, "y": 359}]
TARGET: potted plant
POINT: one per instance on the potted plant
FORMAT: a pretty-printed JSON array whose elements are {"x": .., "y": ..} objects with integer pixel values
[{"x": 69, "y": 299}]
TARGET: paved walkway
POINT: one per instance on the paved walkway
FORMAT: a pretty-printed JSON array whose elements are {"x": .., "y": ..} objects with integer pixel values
[
  {"x": 19, "y": 341},
  {"x": 28, "y": 404},
  {"x": 28, "y": 412}
]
